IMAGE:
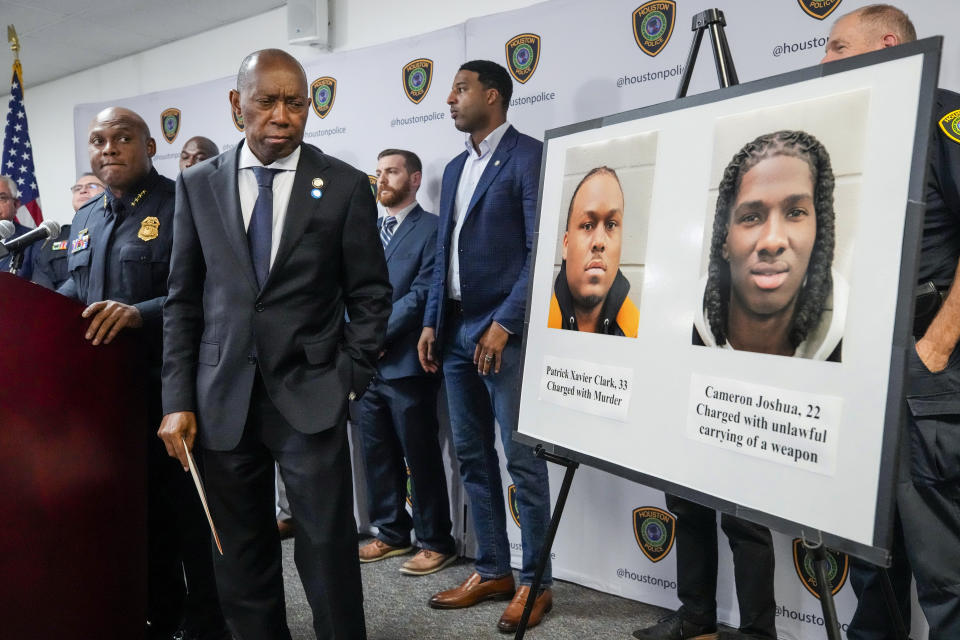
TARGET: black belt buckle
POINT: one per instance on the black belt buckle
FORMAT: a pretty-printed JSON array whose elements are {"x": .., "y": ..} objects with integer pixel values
[{"x": 927, "y": 302}]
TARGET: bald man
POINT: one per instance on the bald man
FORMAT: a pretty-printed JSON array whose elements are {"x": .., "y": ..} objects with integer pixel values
[
  {"x": 197, "y": 149},
  {"x": 258, "y": 361},
  {"x": 118, "y": 260}
]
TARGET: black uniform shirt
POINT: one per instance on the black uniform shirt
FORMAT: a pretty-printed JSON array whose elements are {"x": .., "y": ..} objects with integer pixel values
[
  {"x": 50, "y": 260},
  {"x": 940, "y": 249},
  {"x": 120, "y": 248}
]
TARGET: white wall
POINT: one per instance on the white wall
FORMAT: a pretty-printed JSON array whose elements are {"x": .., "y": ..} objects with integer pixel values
[{"x": 214, "y": 54}]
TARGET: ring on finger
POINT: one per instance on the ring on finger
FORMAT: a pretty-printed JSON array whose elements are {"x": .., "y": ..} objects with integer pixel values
[{"x": 488, "y": 357}]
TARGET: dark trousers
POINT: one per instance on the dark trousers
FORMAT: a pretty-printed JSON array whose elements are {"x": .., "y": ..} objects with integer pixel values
[
  {"x": 179, "y": 547},
  {"x": 753, "y": 564},
  {"x": 240, "y": 488},
  {"x": 397, "y": 420}
]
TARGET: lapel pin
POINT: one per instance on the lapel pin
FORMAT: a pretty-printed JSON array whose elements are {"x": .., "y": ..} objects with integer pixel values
[
  {"x": 496, "y": 163},
  {"x": 318, "y": 182},
  {"x": 316, "y": 193}
]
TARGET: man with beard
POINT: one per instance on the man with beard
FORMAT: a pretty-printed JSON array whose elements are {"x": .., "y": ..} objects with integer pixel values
[
  {"x": 397, "y": 416},
  {"x": 590, "y": 293}
]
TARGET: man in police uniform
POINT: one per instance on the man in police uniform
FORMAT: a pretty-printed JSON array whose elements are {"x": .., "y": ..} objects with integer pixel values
[
  {"x": 119, "y": 259},
  {"x": 50, "y": 258},
  {"x": 927, "y": 532},
  {"x": 9, "y": 204}
]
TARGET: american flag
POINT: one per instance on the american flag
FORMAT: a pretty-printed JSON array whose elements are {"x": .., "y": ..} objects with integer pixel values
[{"x": 17, "y": 161}]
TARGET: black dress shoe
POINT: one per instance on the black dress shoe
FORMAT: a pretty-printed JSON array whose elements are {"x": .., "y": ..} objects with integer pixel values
[{"x": 673, "y": 627}]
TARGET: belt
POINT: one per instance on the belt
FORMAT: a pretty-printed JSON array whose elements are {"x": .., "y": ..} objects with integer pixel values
[{"x": 454, "y": 307}]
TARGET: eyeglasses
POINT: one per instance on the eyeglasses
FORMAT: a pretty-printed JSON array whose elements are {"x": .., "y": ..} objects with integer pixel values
[
  {"x": 90, "y": 186},
  {"x": 4, "y": 198}
]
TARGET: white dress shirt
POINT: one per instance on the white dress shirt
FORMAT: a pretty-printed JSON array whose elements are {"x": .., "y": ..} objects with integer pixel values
[
  {"x": 401, "y": 215},
  {"x": 282, "y": 186},
  {"x": 472, "y": 170}
]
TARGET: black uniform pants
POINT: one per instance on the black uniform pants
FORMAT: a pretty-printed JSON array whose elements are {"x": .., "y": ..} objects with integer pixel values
[
  {"x": 753, "y": 564},
  {"x": 927, "y": 531},
  {"x": 240, "y": 490}
]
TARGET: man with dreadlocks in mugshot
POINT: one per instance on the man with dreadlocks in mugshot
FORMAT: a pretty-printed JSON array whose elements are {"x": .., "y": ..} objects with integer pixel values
[
  {"x": 769, "y": 289},
  {"x": 770, "y": 286}
]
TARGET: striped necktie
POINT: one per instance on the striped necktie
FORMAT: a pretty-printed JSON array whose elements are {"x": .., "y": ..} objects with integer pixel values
[{"x": 386, "y": 231}]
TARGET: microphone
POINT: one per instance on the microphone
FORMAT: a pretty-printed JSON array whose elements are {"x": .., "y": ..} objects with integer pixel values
[
  {"x": 47, "y": 229},
  {"x": 6, "y": 229}
]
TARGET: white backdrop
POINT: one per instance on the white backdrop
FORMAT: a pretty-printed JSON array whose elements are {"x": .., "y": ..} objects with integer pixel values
[{"x": 589, "y": 66}]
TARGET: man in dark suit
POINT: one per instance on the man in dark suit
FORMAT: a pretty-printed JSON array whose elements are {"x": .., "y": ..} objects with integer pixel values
[
  {"x": 275, "y": 244},
  {"x": 474, "y": 322},
  {"x": 397, "y": 416}
]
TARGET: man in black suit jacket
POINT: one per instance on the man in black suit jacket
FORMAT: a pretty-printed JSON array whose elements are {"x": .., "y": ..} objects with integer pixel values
[
  {"x": 397, "y": 416},
  {"x": 259, "y": 360}
]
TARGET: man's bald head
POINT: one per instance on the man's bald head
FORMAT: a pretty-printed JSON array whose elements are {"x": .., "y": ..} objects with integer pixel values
[
  {"x": 197, "y": 149},
  {"x": 266, "y": 58},
  {"x": 868, "y": 28},
  {"x": 120, "y": 149},
  {"x": 273, "y": 101},
  {"x": 122, "y": 116}
]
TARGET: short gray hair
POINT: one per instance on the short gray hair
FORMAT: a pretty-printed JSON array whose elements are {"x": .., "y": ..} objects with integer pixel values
[{"x": 14, "y": 191}]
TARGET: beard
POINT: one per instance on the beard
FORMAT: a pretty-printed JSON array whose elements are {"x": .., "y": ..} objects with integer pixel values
[{"x": 394, "y": 196}]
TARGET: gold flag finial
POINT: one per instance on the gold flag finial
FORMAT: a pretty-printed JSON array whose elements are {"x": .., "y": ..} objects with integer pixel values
[{"x": 14, "y": 41}]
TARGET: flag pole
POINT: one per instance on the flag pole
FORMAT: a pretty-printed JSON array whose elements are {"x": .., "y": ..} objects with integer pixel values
[{"x": 15, "y": 47}]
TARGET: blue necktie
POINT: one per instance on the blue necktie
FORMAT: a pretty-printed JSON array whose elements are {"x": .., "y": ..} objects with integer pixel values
[
  {"x": 97, "y": 282},
  {"x": 260, "y": 231},
  {"x": 386, "y": 231}
]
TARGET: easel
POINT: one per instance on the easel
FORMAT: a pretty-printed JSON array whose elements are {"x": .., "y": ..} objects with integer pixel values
[{"x": 712, "y": 19}]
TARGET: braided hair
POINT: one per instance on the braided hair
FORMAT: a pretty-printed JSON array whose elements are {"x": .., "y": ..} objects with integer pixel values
[{"x": 818, "y": 283}]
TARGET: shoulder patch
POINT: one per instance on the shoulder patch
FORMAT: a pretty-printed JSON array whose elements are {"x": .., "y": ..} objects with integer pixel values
[{"x": 950, "y": 125}]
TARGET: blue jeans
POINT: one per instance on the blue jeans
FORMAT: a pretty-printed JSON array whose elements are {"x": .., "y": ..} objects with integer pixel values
[{"x": 474, "y": 401}]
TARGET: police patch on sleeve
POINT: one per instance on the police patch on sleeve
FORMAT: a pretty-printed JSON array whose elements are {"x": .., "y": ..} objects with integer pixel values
[{"x": 950, "y": 125}]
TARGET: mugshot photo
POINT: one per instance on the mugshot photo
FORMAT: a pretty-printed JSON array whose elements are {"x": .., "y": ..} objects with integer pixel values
[
  {"x": 779, "y": 228},
  {"x": 602, "y": 231}
]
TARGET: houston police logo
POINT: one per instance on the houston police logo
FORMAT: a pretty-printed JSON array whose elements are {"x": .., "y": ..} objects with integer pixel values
[
  {"x": 654, "y": 530},
  {"x": 950, "y": 125},
  {"x": 653, "y": 25},
  {"x": 170, "y": 124},
  {"x": 237, "y": 120},
  {"x": 523, "y": 54},
  {"x": 373, "y": 185},
  {"x": 324, "y": 92},
  {"x": 839, "y": 566},
  {"x": 417, "y": 75},
  {"x": 512, "y": 502},
  {"x": 819, "y": 9}
]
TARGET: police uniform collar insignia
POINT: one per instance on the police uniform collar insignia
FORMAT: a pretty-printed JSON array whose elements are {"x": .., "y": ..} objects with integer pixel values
[
  {"x": 138, "y": 198},
  {"x": 149, "y": 229},
  {"x": 950, "y": 125}
]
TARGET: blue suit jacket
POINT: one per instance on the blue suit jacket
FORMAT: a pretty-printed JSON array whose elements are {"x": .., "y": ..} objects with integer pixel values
[
  {"x": 410, "y": 256},
  {"x": 495, "y": 241}
]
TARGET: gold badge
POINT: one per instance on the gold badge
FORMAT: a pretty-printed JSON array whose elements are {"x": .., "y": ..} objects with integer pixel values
[
  {"x": 149, "y": 229},
  {"x": 318, "y": 182}
]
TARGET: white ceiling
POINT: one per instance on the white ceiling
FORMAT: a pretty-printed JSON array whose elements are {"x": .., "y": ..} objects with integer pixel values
[{"x": 60, "y": 37}]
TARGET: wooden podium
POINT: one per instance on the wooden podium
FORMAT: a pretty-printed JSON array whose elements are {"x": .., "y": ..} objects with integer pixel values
[{"x": 72, "y": 473}]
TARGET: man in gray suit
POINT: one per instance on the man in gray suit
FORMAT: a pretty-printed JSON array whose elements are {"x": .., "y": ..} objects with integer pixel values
[{"x": 275, "y": 243}]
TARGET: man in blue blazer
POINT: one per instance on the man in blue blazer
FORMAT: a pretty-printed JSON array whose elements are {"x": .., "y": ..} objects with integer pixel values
[
  {"x": 397, "y": 416},
  {"x": 473, "y": 324}
]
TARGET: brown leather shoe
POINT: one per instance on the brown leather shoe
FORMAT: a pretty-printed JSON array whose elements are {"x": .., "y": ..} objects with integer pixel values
[
  {"x": 510, "y": 619},
  {"x": 474, "y": 589},
  {"x": 379, "y": 550},
  {"x": 426, "y": 562},
  {"x": 285, "y": 527}
]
